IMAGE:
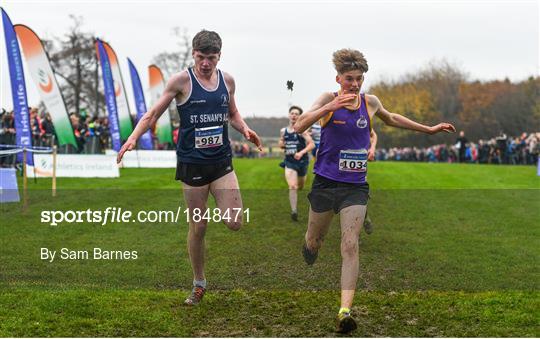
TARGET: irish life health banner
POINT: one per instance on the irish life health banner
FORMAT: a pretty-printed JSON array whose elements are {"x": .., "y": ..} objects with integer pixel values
[
  {"x": 146, "y": 139},
  {"x": 18, "y": 90},
  {"x": 110, "y": 98},
  {"x": 43, "y": 76},
  {"x": 122, "y": 107},
  {"x": 157, "y": 86}
]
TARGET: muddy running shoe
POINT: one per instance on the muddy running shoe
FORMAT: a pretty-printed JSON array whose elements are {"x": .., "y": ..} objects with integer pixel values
[
  {"x": 368, "y": 225},
  {"x": 197, "y": 293},
  {"x": 345, "y": 323},
  {"x": 309, "y": 257},
  {"x": 294, "y": 216}
]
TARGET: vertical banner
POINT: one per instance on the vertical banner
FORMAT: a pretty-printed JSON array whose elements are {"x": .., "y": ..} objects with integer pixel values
[
  {"x": 122, "y": 107},
  {"x": 43, "y": 76},
  {"x": 140, "y": 104},
  {"x": 157, "y": 86},
  {"x": 110, "y": 98},
  {"x": 18, "y": 90}
]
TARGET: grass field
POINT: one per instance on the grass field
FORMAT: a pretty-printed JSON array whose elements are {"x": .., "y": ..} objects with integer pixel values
[{"x": 455, "y": 252}]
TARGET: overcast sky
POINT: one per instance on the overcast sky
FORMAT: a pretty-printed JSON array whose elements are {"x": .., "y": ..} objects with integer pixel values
[{"x": 267, "y": 43}]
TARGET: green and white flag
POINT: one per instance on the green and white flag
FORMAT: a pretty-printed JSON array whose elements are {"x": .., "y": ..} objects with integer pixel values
[
  {"x": 43, "y": 76},
  {"x": 157, "y": 86}
]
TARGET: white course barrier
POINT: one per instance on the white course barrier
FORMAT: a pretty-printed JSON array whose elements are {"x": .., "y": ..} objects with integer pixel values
[
  {"x": 147, "y": 159},
  {"x": 75, "y": 166}
]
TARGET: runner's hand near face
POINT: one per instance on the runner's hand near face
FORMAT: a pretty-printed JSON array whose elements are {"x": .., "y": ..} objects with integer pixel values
[{"x": 340, "y": 101}]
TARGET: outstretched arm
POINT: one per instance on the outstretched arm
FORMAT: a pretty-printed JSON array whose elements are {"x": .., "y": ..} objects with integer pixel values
[
  {"x": 397, "y": 120},
  {"x": 325, "y": 104},
  {"x": 235, "y": 118},
  {"x": 149, "y": 119}
]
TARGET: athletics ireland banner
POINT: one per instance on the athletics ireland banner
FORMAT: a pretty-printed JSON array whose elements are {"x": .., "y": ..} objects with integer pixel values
[
  {"x": 18, "y": 89},
  {"x": 110, "y": 98},
  {"x": 157, "y": 86},
  {"x": 122, "y": 107},
  {"x": 140, "y": 104},
  {"x": 43, "y": 76}
]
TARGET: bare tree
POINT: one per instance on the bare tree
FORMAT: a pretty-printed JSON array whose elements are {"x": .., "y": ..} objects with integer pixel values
[
  {"x": 175, "y": 61},
  {"x": 74, "y": 61}
]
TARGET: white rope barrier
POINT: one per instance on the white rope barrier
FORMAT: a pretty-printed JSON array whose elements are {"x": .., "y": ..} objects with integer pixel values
[
  {"x": 10, "y": 151},
  {"x": 19, "y": 150}
]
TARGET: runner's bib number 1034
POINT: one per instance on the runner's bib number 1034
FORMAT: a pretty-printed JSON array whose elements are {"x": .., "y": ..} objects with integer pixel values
[
  {"x": 353, "y": 160},
  {"x": 208, "y": 137}
]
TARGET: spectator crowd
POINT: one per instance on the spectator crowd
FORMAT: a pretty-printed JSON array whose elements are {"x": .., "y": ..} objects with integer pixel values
[{"x": 521, "y": 150}]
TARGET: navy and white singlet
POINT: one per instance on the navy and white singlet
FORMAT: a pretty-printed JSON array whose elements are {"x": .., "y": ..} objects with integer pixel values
[{"x": 203, "y": 137}]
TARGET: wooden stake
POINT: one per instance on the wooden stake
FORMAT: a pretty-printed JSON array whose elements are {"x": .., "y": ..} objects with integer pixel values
[
  {"x": 25, "y": 181},
  {"x": 54, "y": 171}
]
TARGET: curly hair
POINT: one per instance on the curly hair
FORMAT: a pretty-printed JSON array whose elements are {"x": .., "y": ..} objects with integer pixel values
[{"x": 346, "y": 60}]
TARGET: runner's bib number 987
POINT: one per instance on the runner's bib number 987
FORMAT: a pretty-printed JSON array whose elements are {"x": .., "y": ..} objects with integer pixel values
[
  {"x": 353, "y": 160},
  {"x": 208, "y": 137}
]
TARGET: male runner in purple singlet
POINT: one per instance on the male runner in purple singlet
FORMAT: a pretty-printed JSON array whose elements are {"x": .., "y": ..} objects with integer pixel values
[{"x": 340, "y": 184}]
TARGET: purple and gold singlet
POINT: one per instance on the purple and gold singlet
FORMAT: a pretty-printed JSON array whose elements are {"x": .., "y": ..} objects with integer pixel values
[{"x": 343, "y": 150}]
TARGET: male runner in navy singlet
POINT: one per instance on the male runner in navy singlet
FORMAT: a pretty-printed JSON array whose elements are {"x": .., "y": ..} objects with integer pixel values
[
  {"x": 297, "y": 147},
  {"x": 206, "y": 105}
]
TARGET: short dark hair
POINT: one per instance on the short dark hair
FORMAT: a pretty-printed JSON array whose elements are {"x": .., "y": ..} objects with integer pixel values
[
  {"x": 296, "y": 107},
  {"x": 206, "y": 42}
]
